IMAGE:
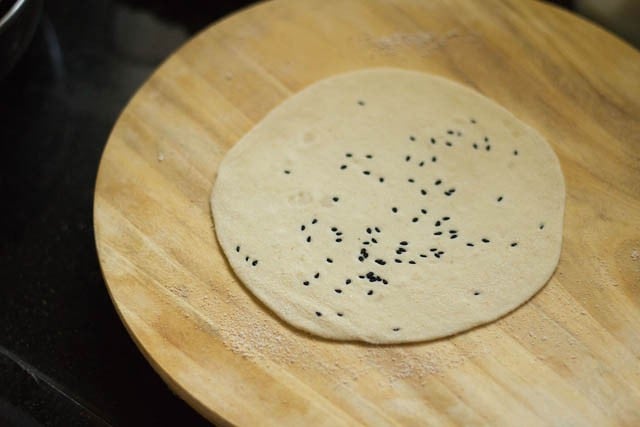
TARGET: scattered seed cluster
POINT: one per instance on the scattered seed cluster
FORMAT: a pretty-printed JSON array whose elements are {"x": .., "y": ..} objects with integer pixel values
[{"x": 374, "y": 252}]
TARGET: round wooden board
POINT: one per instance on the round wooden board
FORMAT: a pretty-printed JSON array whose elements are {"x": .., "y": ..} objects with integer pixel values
[{"x": 570, "y": 356}]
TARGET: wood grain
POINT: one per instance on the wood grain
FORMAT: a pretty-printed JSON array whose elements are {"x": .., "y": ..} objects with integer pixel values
[{"x": 570, "y": 356}]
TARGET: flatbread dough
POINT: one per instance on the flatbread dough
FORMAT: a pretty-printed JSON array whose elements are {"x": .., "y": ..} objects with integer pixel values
[{"x": 390, "y": 206}]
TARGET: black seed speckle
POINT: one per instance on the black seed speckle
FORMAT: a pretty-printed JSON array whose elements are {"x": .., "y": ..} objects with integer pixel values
[
  {"x": 385, "y": 282},
  {"x": 541, "y": 226},
  {"x": 514, "y": 244},
  {"x": 361, "y": 277},
  {"x": 340, "y": 314},
  {"x": 361, "y": 258},
  {"x": 454, "y": 236},
  {"x": 438, "y": 223},
  {"x": 398, "y": 261},
  {"x": 237, "y": 248},
  {"x": 424, "y": 211},
  {"x": 246, "y": 258},
  {"x": 338, "y": 291},
  {"x": 438, "y": 182},
  {"x": 453, "y": 231},
  {"x": 368, "y": 230},
  {"x": 308, "y": 239},
  {"x": 408, "y": 158},
  {"x": 515, "y": 152},
  {"x": 395, "y": 329},
  {"x": 470, "y": 244},
  {"x": 446, "y": 218},
  {"x": 314, "y": 221},
  {"x": 412, "y": 138},
  {"x": 380, "y": 262},
  {"x": 377, "y": 229},
  {"x": 306, "y": 283},
  {"x": 366, "y": 172},
  {"x": 434, "y": 159},
  {"x": 485, "y": 240},
  {"x": 373, "y": 240},
  {"x": 287, "y": 171},
  {"x": 381, "y": 179},
  {"x": 335, "y": 199},
  {"x": 411, "y": 180},
  {"x": 412, "y": 262},
  {"x": 370, "y": 292},
  {"x": 415, "y": 219},
  {"x": 486, "y": 139},
  {"x": 423, "y": 192},
  {"x": 433, "y": 249},
  {"x": 488, "y": 148},
  {"x": 449, "y": 144},
  {"x": 338, "y": 240},
  {"x": 316, "y": 275},
  {"x": 255, "y": 262},
  {"x": 423, "y": 255},
  {"x": 348, "y": 155},
  {"x": 421, "y": 164},
  {"x": 334, "y": 229},
  {"x": 437, "y": 233},
  {"x": 302, "y": 227},
  {"x": 404, "y": 243},
  {"x": 369, "y": 156},
  {"x": 475, "y": 146},
  {"x": 394, "y": 209},
  {"x": 450, "y": 132},
  {"x": 347, "y": 282},
  {"x": 318, "y": 314},
  {"x": 433, "y": 140},
  {"x": 476, "y": 293},
  {"x": 500, "y": 198},
  {"x": 343, "y": 167},
  {"x": 361, "y": 103},
  {"x": 473, "y": 121},
  {"x": 339, "y": 233},
  {"x": 329, "y": 260}
]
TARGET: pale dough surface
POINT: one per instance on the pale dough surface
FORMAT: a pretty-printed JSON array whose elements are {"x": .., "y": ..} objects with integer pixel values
[{"x": 339, "y": 209}]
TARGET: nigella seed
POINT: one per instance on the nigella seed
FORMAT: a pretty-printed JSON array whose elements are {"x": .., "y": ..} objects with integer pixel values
[
  {"x": 339, "y": 233},
  {"x": 329, "y": 260},
  {"x": 361, "y": 276},
  {"x": 423, "y": 255},
  {"x": 334, "y": 229},
  {"x": 340, "y": 314},
  {"x": 237, "y": 248},
  {"x": 486, "y": 139},
  {"x": 438, "y": 182},
  {"x": 368, "y": 230},
  {"x": 246, "y": 258},
  {"x": 365, "y": 243},
  {"x": 373, "y": 240},
  {"x": 454, "y": 236},
  {"x": 338, "y": 240},
  {"x": 515, "y": 152},
  {"x": 338, "y": 291},
  {"x": 448, "y": 144},
  {"x": 433, "y": 140},
  {"x": 361, "y": 103},
  {"x": 318, "y": 314},
  {"x": 411, "y": 180},
  {"x": 541, "y": 226},
  {"x": 315, "y": 276},
  {"x": 385, "y": 282},
  {"x": 475, "y": 146},
  {"x": 380, "y": 262},
  {"x": 394, "y": 209},
  {"x": 421, "y": 164},
  {"x": 470, "y": 245},
  {"x": 377, "y": 229},
  {"x": 437, "y": 255},
  {"x": 369, "y": 156},
  {"x": 348, "y": 155},
  {"x": 514, "y": 244},
  {"x": 370, "y": 292},
  {"x": 450, "y": 132},
  {"x": 302, "y": 227},
  {"x": 412, "y": 138},
  {"x": 434, "y": 159},
  {"x": 438, "y": 223},
  {"x": 423, "y": 192},
  {"x": 485, "y": 240},
  {"x": 381, "y": 179},
  {"x": 308, "y": 239},
  {"x": 404, "y": 243},
  {"x": 306, "y": 283},
  {"x": 255, "y": 262},
  {"x": 473, "y": 121},
  {"x": 445, "y": 218},
  {"x": 398, "y": 261},
  {"x": 361, "y": 258},
  {"x": 343, "y": 167},
  {"x": 398, "y": 251},
  {"x": 335, "y": 199},
  {"x": 433, "y": 249},
  {"x": 412, "y": 262},
  {"x": 415, "y": 219},
  {"x": 395, "y": 329},
  {"x": 347, "y": 282},
  {"x": 437, "y": 233},
  {"x": 453, "y": 231},
  {"x": 407, "y": 158},
  {"x": 441, "y": 252},
  {"x": 500, "y": 198},
  {"x": 287, "y": 171},
  {"x": 314, "y": 221},
  {"x": 366, "y": 172},
  {"x": 424, "y": 211},
  {"x": 476, "y": 293},
  {"x": 488, "y": 148}
]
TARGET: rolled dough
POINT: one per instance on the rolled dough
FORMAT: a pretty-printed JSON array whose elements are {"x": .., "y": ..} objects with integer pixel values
[{"x": 390, "y": 206}]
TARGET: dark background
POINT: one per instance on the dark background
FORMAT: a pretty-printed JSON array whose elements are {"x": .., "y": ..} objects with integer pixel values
[{"x": 65, "y": 358}]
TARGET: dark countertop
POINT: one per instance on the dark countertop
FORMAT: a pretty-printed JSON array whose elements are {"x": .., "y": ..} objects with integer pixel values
[{"x": 65, "y": 357}]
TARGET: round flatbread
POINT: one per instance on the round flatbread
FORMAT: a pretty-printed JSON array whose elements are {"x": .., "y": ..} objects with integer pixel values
[{"x": 390, "y": 206}]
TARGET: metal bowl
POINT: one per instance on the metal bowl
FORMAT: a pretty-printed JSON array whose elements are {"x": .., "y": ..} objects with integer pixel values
[{"x": 17, "y": 26}]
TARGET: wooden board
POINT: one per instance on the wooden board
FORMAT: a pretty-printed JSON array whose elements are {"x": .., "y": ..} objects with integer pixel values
[{"x": 570, "y": 356}]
